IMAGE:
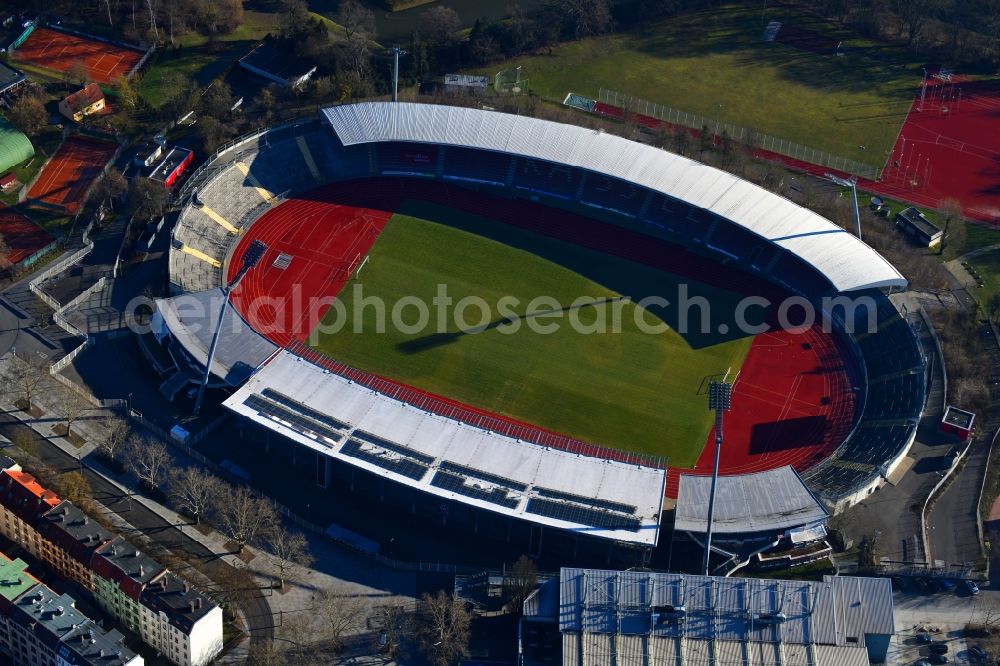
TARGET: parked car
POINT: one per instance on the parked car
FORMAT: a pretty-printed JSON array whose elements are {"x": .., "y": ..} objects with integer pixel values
[
  {"x": 938, "y": 659},
  {"x": 946, "y": 585},
  {"x": 978, "y": 652},
  {"x": 922, "y": 662},
  {"x": 924, "y": 638},
  {"x": 972, "y": 587},
  {"x": 938, "y": 648}
]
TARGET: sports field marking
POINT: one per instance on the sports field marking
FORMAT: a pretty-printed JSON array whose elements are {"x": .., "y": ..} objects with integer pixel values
[
  {"x": 218, "y": 219},
  {"x": 57, "y": 51},
  {"x": 628, "y": 390},
  {"x": 261, "y": 190},
  {"x": 307, "y": 156},
  {"x": 198, "y": 254}
]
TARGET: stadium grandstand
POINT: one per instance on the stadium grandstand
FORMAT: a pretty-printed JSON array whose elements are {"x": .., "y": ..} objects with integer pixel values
[
  {"x": 643, "y": 617},
  {"x": 344, "y": 420},
  {"x": 754, "y": 513},
  {"x": 714, "y": 215}
]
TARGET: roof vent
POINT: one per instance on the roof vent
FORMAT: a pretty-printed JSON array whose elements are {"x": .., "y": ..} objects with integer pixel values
[{"x": 770, "y": 618}]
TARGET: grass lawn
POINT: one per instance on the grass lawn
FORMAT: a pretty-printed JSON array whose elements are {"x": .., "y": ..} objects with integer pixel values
[
  {"x": 988, "y": 267},
  {"x": 628, "y": 390},
  {"x": 713, "y": 63},
  {"x": 202, "y": 61}
]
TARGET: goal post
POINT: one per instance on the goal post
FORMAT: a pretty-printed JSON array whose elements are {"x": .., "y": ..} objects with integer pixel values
[
  {"x": 358, "y": 263},
  {"x": 510, "y": 81}
]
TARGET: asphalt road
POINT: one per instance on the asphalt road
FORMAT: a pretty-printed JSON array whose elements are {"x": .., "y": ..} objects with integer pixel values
[
  {"x": 254, "y": 605},
  {"x": 952, "y": 522}
]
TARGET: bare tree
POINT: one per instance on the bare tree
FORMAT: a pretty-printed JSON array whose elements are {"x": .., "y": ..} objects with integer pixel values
[
  {"x": 4, "y": 252},
  {"x": 107, "y": 7},
  {"x": 77, "y": 74},
  {"x": 151, "y": 6},
  {"x": 116, "y": 433},
  {"x": 25, "y": 377},
  {"x": 520, "y": 581},
  {"x": 289, "y": 547},
  {"x": 28, "y": 114},
  {"x": 194, "y": 490},
  {"x": 148, "y": 460},
  {"x": 580, "y": 18},
  {"x": 111, "y": 187},
  {"x": 72, "y": 406},
  {"x": 265, "y": 653},
  {"x": 396, "y": 626},
  {"x": 341, "y": 614},
  {"x": 954, "y": 226},
  {"x": 440, "y": 25},
  {"x": 244, "y": 516},
  {"x": 443, "y": 628},
  {"x": 147, "y": 199},
  {"x": 25, "y": 441},
  {"x": 128, "y": 94},
  {"x": 235, "y": 587},
  {"x": 75, "y": 487},
  {"x": 356, "y": 19}
]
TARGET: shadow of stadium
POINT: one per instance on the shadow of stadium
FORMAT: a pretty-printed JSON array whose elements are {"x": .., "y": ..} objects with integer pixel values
[{"x": 705, "y": 316}]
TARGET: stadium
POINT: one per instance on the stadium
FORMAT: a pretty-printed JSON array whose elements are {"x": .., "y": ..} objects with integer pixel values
[{"x": 580, "y": 438}]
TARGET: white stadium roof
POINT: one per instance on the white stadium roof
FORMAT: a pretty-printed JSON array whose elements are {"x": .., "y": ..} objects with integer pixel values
[
  {"x": 848, "y": 263},
  {"x": 773, "y": 500},
  {"x": 344, "y": 420}
]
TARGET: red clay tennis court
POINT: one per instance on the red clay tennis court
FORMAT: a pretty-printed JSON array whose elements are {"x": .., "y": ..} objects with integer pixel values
[
  {"x": 793, "y": 402},
  {"x": 22, "y": 237},
  {"x": 57, "y": 51},
  {"x": 70, "y": 172}
]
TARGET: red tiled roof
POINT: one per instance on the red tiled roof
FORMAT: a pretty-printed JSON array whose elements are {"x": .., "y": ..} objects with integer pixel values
[
  {"x": 84, "y": 97},
  {"x": 23, "y": 496}
]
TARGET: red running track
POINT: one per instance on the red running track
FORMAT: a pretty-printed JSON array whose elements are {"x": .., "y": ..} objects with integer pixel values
[
  {"x": 321, "y": 240},
  {"x": 948, "y": 147},
  {"x": 792, "y": 403}
]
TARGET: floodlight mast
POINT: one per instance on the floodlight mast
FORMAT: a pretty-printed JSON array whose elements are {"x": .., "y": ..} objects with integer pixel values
[
  {"x": 251, "y": 257},
  {"x": 396, "y": 52},
  {"x": 852, "y": 183},
  {"x": 719, "y": 399}
]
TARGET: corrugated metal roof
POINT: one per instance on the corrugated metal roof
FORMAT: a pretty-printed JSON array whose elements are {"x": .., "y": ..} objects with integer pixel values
[
  {"x": 192, "y": 318},
  {"x": 864, "y": 603},
  {"x": 847, "y": 262},
  {"x": 774, "y": 500},
  {"x": 727, "y": 611}
]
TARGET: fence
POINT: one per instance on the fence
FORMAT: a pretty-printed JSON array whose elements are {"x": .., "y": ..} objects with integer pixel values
[
  {"x": 23, "y": 37},
  {"x": 740, "y": 134},
  {"x": 142, "y": 62},
  {"x": 474, "y": 418},
  {"x": 208, "y": 167}
]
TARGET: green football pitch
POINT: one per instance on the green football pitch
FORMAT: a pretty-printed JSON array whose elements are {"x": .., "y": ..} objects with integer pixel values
[{"x": 625, "y": 388}]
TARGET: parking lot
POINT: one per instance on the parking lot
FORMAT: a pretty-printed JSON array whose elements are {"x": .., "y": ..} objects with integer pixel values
[{"x": 943, "y": 617}]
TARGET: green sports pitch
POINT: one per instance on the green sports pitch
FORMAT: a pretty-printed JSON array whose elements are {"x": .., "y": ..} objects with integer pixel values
[{"x": 624, "y": 388}]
